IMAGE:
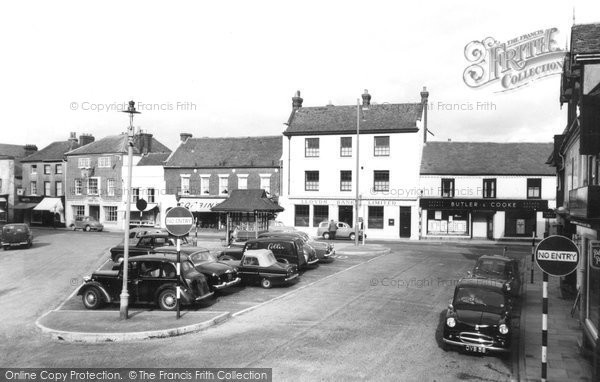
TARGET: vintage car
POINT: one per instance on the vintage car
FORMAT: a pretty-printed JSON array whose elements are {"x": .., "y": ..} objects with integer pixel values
[
  {"x": 500, "y": 268},
  {"x": 286, "y": 250},
  {"x": 344, "y": 231},
  {"x": 86, "y": 223},
  {"x": 278, "y": 226},
  {"x": 259, "y": 266},
  {"x": 137, "y": 232},
  {"x": 145, "y": 245},
  {"x": 16, "y": 235},
  {"x": 151, "y": 279},
  {"x": 323, "y": 250},
  {"x": 220, "y": 275},
  {"x": 478, "y": 318}
]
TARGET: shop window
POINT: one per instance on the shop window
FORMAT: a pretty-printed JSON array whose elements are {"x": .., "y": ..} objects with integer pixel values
[
  {"x": 447, "y": 188},
  {"x": 381, "y": 180},
  {"x": 447, "y": 222},
  {"x": 301, "y": 217},
  {"x": 375, "y": 217},
  {"x": 311, "y": 181},
  {"x": 345, "y": 180},
  {"x": 320, "y": 213},
  {"x": 47, "y": 169},
  {"x": 311, "y": 147},
  {"x": 110, "y": 213},
  {"x": 79, "y": 211},
  {"x": 489, "y": 188},
  {"x": 519, "y": 223},
  {"x": 534, "y": 188},
  {"x": 382, "y": 146},
  {"x": 346, "y": 146}
]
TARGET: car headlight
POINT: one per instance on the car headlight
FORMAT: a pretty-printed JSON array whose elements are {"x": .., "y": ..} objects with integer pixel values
[
  {"x": 451, "y": 322},
  {"x": 503, "y": 329},
  {"x": 507, "y": 286}
]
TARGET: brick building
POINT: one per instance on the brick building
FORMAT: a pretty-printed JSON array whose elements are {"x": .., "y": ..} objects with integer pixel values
[{"x": 202, "y": 172}]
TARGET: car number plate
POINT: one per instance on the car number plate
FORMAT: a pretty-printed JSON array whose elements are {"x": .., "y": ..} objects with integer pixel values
[{"x": 476, "y": 349}]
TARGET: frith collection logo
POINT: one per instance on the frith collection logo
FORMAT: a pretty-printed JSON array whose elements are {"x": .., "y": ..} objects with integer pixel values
[{"x": 513, "y": 64}]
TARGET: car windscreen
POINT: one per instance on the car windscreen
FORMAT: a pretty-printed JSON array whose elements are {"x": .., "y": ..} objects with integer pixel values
[
  {"x": 267, "y": 260},
  {"x": 492, "y": 267},
  {"x": 474, "y": 298},
  {"x": 201, "y": 256}
]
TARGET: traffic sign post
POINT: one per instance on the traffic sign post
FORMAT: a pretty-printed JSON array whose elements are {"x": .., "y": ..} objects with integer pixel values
[
  {"x": 179, "y": 222},
  {"x": 556, "y": 256}
]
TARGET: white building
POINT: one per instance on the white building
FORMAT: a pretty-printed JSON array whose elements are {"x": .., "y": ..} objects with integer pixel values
[
  {"x": 486, "y": 190},
  {"x": 319, "y": 166}
]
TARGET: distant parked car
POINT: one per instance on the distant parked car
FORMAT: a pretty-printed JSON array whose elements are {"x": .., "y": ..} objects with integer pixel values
[
  {"x": 499, "y": 268},
  {"x": 344, "y": 231},
  {"x": 259, "y": 266},
  {"x": 153, "y": 279},
  {"x": 323, "y": 250},
  {"x": 87, "y": 223},
  {"x": 16, "y": 235},
  {"x": 278, "y": 226},
  {"x": 286, "y": 250},
  {"x": 478, "y": 318}
]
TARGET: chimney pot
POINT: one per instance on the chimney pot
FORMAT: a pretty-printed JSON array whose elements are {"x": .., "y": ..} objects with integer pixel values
[
  {"x": 85, "y": 139},
  {"x": 297, "y": 101},
  {"x": 184, "y": 136},
  {"x": 366, "y": 98}
]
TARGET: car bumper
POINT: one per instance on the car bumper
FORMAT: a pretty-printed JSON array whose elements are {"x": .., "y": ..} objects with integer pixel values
[
  {"x": 18, "y": 244},
  {"x": 487, "y": 348},
  {"x": 227, "y": 284},
  {"x": 311, "y": 262},
  {"x": 205, "y": 296},
  {"x": 292, "y": 277}
]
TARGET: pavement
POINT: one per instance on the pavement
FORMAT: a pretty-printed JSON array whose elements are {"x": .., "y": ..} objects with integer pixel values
[
  {"x": 106, "y": 325},
  {"x": 564, "y": 359}
]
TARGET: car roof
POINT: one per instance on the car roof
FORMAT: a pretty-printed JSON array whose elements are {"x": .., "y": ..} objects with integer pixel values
[
  {"x": 495, "y": 257},
  {"x": 157, "y": 257},
  {"x": 481, "y": 283},
  {"x": 273, "y": 238}
]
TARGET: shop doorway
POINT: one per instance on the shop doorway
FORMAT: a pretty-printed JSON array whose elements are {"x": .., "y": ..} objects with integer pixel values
[
  {"x": 405, "y": 221},
  {"x": 490, "y": 227},
  {"x": 95, "y": 212},
  {"x": 346, "y": 215}
]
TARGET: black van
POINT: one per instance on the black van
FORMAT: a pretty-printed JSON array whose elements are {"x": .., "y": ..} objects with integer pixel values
[
  {"x": 16, "y": 235},
  {"x": 286, "y": 250}
]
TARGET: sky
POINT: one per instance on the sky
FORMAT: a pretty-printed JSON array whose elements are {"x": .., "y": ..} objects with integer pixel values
[{"x": 230, "y": 68}]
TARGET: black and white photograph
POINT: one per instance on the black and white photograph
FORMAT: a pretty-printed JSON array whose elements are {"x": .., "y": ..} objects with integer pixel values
[{"x": 300, "y": 191}]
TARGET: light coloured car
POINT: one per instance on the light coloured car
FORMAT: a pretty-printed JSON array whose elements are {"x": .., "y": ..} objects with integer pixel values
[
  {"x": 87, "y": 223},
  {"x": 344, "y": 231}
]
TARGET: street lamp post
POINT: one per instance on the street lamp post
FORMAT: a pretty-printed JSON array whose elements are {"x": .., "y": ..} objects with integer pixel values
[
  {"x": 366, "y": 102},
  {"x": 124, "y": 308}
]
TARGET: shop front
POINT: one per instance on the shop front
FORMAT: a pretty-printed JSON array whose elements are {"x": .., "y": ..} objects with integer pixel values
[
  {"x": 24, "y": 210},
  {"x": 482, "y": 218},
  {"x": 201, "y": 209},
  {"x": 49, "y": 212}
]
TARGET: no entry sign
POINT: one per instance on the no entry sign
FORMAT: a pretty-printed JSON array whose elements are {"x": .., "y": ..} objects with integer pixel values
[
  {"x": 179, "y": 221},
  {"x": 557, "y": 255}
]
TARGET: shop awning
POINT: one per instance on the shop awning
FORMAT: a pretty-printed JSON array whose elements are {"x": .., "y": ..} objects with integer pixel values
[
  {"x": 2, "y": 199},
  {"x": 248, "y": 201},
  {"x": 50, "y": 204},
  {"x": 24, "y": 206},
  {"x": 2, "y": 211}
]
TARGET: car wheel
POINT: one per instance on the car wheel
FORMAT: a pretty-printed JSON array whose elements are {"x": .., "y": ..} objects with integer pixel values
[
  {"x": 266, "y": 283},
  {"x": 326, "y": 235},
  {"x": 87, "y": 228},
  {"x": 92, "y": 299},
  {"x": 167, "y": 300},
  {"x": 352, "y": 236},
  {"x": 73, "y": 227},
  {"x": 29, "y": 244}
]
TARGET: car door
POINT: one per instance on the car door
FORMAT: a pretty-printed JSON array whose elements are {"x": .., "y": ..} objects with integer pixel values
[
  {"x": 249, "y": 269},
  {"x": 152, "y": 274},
  {"x": 343, "y": 230}
]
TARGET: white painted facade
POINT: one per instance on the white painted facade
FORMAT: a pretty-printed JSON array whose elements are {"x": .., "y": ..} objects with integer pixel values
[
  {"x": 403, "y": 163},
  {"x": 469, "y": 188}
]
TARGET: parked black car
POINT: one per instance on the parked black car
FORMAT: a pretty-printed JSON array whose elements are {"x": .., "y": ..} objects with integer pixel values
[
  {"x": 16, "y": 235},
  {"x": 499, "y": 268},
  {"x": 259, "y": 266},
  {"x": 145, "y": 245},
  {"x": 478, "y": 318},
  {"x": 220, "y": 275},
  {"x": 286, "y": 250},
  {"x": 151, "y": 279}
]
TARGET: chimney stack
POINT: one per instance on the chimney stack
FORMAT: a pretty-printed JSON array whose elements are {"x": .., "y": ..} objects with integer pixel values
[
  {"x": 184, "y": 136},
  {"x": 297, "y": 101},
  {"x": 73, "y": 137},
  {"x": 85, "y": 139},
  {"x": 424, "y": 101},
  {"x": 143, "y": 142},
  {"x": 30, "y": 149},
  {"x": 366, "y": 98}
]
